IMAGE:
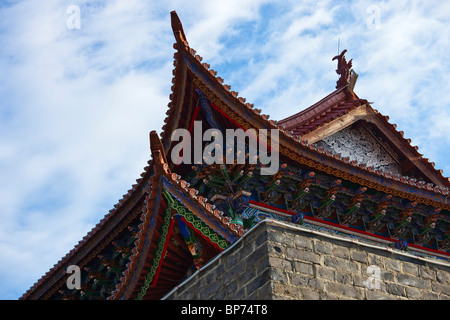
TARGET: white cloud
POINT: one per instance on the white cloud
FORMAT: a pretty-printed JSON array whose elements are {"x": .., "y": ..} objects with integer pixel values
[{"x": 75, "y": 123}]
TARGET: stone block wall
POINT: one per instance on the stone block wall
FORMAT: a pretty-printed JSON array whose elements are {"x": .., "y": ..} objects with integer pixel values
[{"x": 276, "y": 261}]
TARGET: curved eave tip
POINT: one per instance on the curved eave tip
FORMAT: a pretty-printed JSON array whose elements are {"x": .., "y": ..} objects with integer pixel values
[{"x": 177, "y": 27}]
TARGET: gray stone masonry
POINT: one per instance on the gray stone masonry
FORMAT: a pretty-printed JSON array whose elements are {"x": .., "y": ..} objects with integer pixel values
[{"x": 275, "y": 261}]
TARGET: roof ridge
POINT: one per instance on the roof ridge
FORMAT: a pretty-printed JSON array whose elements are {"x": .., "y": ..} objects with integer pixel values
[
  {"x": 311, "y": 107},
  {"x": 162, "y": 170},
  {"x": 90, "y": 233},
  {"x": 279, "y": 124}
]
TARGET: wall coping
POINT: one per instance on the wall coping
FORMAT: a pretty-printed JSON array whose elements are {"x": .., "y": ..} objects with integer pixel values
[{"x": 297, "y": 227}]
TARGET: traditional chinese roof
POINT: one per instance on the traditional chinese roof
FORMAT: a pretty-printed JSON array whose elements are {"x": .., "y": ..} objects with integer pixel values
[
  {"x": 176, "y": 218},
  {"x": 343, "y": 108}
]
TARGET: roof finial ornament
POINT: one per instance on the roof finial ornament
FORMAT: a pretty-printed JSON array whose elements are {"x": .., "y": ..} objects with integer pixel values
[{"x": 343, "y": 69}]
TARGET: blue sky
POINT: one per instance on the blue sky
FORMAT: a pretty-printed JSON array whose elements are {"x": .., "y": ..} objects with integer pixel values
[{"x": 76, "y": 105}]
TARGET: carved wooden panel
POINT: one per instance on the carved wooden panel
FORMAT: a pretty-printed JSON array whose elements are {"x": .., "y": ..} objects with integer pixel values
[{"x": 360, "y": 145}]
